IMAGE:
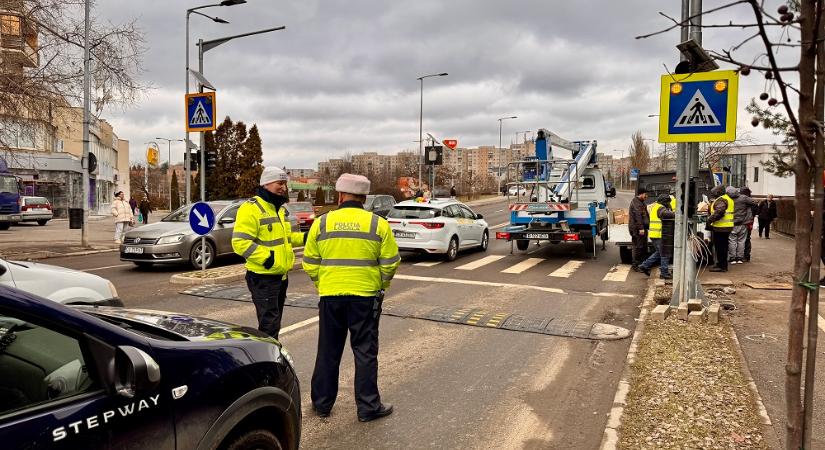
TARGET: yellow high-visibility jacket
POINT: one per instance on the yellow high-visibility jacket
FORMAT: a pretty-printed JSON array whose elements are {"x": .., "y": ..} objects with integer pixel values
[
  {"x": 726, "y": 222},
  {"x": 655, "y": 231},
  {"x": 350, "y": 251},
  {"x": 259, "y": 230}
]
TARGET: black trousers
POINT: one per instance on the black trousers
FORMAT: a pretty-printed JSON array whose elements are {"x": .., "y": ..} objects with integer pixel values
[
  {"x": 639, "y": 247},
  {"x": 765, "y": 225},
  {"x": 268, "y": 295},
  {"x": 720, "y": 244},
  {"x": 337, "y": 315},
  {"x": 748, "y": 244}
]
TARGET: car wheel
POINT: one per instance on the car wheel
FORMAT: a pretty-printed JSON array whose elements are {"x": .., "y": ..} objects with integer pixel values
[
  {"x": 195, "y": 255},
  {"x": 42, "y": 222},
  {"x": 452, "y": 249},
  {"x": 522, "y": 244},
  {"x": 5, "y": 226},
  {"x": 254, "y": 440},
  {"x": 143, "y": 264},
  {"x": 485, "y": 241}
]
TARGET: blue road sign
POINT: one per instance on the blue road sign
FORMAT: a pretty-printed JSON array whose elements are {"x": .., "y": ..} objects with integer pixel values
[
  {"x": 634, "y": 174},
  {"x": 699, "y": 107},
  {"x": 200, "y": 112},
  {"x": 201, "y": 218}
]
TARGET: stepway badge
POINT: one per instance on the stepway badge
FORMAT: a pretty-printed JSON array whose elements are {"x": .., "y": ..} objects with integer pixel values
[
  {"x": 200, "y": 112},
  {"x": 699, "y": 107},
  {"x": 201, "y": 218}
]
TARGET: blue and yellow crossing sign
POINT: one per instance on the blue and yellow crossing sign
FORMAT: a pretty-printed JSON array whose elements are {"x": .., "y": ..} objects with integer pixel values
[
  {"x": 200, "y": 112},
  {"x": 699, "y": 107}
]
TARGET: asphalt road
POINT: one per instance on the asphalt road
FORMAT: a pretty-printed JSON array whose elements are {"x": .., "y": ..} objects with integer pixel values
[{"x": 453, "y": 385}]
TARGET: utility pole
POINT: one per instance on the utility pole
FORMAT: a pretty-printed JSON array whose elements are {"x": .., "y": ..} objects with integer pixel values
[
  {"x": 681, "y": 175},
  {"x": 87, "y": 89}
]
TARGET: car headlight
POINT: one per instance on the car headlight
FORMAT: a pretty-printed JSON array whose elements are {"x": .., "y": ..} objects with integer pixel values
[
  {"x": 312, "y": 216},
  {"x": 112, "y": 288},
  {"x": 170, "y": 239},
  {"x": 288, "y": 357}
]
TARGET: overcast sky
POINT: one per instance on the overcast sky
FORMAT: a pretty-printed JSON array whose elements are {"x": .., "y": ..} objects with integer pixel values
[{"x": 343, "y": 75}]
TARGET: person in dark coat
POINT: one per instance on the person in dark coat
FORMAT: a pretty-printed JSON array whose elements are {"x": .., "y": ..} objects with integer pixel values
[
  {"x": 638, "y": 224},
  {"x": 145, "y": 209},
  {"x": 766, "y": 211},
  {"x": 752, "y": 208},
  {"x": 133, "y": 205}
]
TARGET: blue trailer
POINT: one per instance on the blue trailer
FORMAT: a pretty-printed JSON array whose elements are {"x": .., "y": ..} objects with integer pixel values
[{"x": 10, "y": 197}]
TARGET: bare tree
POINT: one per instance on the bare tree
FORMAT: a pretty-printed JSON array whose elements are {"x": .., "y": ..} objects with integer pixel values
[
  {"x": 799, "y": 25},
  {"x": 639, "y": 152},
  {"x": 711, "y": 152}
]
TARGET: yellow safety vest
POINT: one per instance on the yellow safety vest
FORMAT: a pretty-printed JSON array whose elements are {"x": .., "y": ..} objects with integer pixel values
[
  {"x": 655, "y": 230},
  {"x": 259, "y": 230},
  {"x": 727, "y": 220},
  {"x": 673, "y": 203},
  {"x": 350, "y": 251}
]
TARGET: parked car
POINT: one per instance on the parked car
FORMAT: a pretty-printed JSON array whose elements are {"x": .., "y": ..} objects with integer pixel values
[
  {"x": 379, "y": 204},
  {"x": 303, "y": 212},
  {"x": 438, "y": 226},
  {"x": 609, "y": 189},
  {"x": 59, "y": 284},
  {"x": 112, "y": 378},
  {"x": 36, "y": 209},
  {"x": 517, "y": 191}
]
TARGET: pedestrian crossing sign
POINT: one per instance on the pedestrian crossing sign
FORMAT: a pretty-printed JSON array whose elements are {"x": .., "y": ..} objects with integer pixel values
[
  {"x": 200, "y": 112},
  {"x": 699, "y": 107}
]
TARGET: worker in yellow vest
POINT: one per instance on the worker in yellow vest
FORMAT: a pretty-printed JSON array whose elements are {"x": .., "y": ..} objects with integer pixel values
[
  {"x": 351, "y": 256},
  {"x": 264, "y": 238},
  {"x": 720, "y": 222},
  {"x": 660, "y": 210}
]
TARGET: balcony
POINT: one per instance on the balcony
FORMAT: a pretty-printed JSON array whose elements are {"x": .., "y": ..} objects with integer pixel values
[{"x": 18, "y": 42}]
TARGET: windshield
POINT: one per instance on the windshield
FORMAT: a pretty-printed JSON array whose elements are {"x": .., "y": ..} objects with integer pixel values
[
  {"x": 299, "y": 207},
  {"x": 182, "y": 214},
  {"x": 413, "y": 212},
  {"x": 369, "y": 202},
  {"x": 36, "y": 201},
  {"x": 8, "y": 183}
]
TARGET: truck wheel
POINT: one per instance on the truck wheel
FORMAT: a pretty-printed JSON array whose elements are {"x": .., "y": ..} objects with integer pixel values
[
  {"x": 42, "y": 222},
  {"x": 255, "y": 439},
  {"x": 588, "y": 246},
  {"x": 522, "y": 244},
  {"x": 5, "y": 225}
]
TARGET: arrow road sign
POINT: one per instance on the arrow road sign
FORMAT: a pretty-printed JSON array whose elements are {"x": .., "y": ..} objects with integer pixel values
[
  {"x": 698, "y": 107},
  {"x": 200, "y": 112},
  {"x": 201, "y": 218}
]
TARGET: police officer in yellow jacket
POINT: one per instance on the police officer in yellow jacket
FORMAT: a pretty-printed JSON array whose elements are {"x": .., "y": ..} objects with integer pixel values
[
  {"x": 351, "y": 256},
  {"x": 263, "y": 236},
  {"x": 720, "y": 221}
]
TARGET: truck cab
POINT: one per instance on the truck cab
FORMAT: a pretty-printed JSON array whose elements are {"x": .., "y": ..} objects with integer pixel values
[{"x": 9, "y": 198}]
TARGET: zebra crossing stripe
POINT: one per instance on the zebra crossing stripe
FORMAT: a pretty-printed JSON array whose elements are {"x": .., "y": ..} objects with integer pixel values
[
  {"x": 617, "y": 273},
  {"x": 524, "y": 265},
  {"x": 480, "y": 262},
  {"x": 428, "y": 263},
  {"x": 566, "y": 270}
]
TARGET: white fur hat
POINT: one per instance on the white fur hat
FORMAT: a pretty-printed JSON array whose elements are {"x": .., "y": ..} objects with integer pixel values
[
  {"x": 353, "y": 184},
  {"x": 271, "y": 174}
]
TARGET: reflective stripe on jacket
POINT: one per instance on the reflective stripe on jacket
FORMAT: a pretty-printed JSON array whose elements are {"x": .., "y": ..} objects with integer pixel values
[
  {"x": 350, "y": 251},
  {"x": 259, "y": 230},
  {"x": 655, "y": 222},
  {"x": 727, "y": 220}
]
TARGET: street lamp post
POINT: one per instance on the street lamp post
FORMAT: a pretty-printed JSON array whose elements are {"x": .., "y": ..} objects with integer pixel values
[
  {"x": 500, "y": 119},
  {"x": 189, "y": 12},
  {"x": 169, "y": 165},
  {"x": 421, "y": 124}
]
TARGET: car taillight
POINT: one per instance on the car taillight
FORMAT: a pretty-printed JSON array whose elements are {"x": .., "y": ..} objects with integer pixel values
[
  {"x": 502, "y": 235},
  {"x": 394, "y": 221},
  {"x": 571, "y": 236},
  {"x": 429, "y": 225},
  {"x": 24, "y": 208}
]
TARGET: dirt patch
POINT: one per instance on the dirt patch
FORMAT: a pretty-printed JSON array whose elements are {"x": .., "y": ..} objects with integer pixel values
[{"x": 662, "y": 295}]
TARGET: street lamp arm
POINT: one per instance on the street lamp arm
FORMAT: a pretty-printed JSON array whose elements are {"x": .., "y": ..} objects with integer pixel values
[
  {"x": 212, "y": 43},
  {"x": 195, "y": 9},
  {"x": 443, "y": 74}
]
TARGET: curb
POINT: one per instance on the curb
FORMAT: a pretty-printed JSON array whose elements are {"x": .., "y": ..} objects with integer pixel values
[
  {"x": 610, "y": 439},
  {"x": 746, "y": 372},
  {"x": 486, "y": 201}
]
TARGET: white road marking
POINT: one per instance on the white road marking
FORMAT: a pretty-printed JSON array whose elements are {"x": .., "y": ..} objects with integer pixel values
[
  {"x": 499, "y": 210},
  {"x": 480, "y": 262},
  {"x": 524, "y": 265},
  {"x": 501, "y": 225},
  {"x": 566, "y": 270},
  {"x": 617, "y": 273},
  {"x": 105, "y": 267},
  {"x": 819, "y": 320},
  {"x": 298, "y": 325},
  {"x": 428, "y": 263},
  {"x": 507, "y": 285}
]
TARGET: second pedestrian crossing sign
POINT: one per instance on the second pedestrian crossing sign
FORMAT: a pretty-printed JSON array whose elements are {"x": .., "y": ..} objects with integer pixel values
[
  {"x": 200, "y": 112},
  {"x": 699, "y": 107}
]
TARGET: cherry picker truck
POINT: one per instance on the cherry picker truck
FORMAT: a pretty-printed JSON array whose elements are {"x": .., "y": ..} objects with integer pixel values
[{"x": 557, "y": 199}]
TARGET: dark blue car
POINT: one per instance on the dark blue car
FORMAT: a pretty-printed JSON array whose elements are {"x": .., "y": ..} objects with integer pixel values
[{"x": 104, "y": 377}]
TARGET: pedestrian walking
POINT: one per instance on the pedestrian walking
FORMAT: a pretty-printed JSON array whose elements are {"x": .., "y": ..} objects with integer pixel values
[
  {"x": 123, "y": 216},
  {"x": 720, "y": 223},
  {"x": 751, "y": 209},
  {"x": 264, "y": 238},
  {"x": 766, "y": 213},
  {"x": 638, "y": 224},
  {"x": 452, "y": 191},
  {"x": 145, "y": 208},
  {"x": 660, "y": 210},
  {"x": 351, "y": 256},
  {"x": 133, "y": 205}
]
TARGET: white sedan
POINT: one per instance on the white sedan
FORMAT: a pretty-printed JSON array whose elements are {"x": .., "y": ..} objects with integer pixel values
[
  {"x": 438, "y": 226},
  {"x": 59, "y": 284}
]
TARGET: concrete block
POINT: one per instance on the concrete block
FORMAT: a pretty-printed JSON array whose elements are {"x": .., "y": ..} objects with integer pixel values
[
  {"x": 713, "y": 314},
  {"x": 659, "y": 282},
  {"x": 682, "y": 311},
  {"x": 696, "y": 316},
  {"x": 694, "y": 304},
  {"x": 661, "y": 312}
]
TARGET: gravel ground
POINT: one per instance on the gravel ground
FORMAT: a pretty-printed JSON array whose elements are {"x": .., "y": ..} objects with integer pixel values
[{"x": 688, "y": 391}]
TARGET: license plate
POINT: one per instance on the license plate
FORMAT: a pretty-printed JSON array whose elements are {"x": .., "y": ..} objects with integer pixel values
[
  {"x": 537, "y": 235},
  {"x": 136, "y": 250},
  {"x": 40, "y": 209},
  {"x": 403, "y": 234}
]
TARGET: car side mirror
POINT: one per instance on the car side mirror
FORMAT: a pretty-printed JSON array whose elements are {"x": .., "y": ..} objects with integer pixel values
[
  {"x": 2, "y": 269},
  {"x": 134, "y": 372},
  {"x": 479, "y": 216},
  {"x": 225, "y": 220}
]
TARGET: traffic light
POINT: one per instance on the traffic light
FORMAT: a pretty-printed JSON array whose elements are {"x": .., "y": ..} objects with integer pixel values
[
  {"x": 194, "y": 158},
  {"x": 211, "y": 160}
]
